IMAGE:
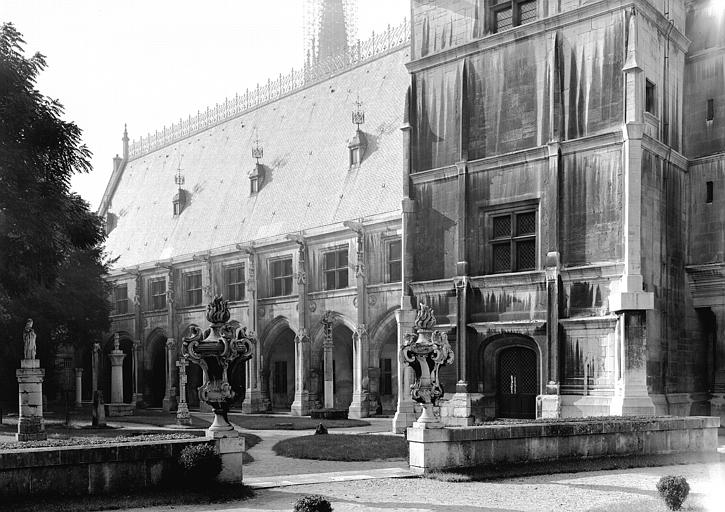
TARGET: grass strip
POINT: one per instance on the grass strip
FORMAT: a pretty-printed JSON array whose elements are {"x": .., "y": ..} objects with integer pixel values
[{"x": 343, "y": 447}]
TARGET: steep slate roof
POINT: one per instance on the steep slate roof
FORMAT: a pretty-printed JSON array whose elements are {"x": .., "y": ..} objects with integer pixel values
[{"x": 308, "y": 180}]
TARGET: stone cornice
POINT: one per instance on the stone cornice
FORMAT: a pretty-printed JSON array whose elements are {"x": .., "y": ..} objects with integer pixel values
[
  {"x": 707, "y": 159},
  {"x": 705, "y": 54},
  {"x": 527, "y": 327},
  {"x": 432, "y": 287},
  {"x": 550, "y": 23},
  {"x": 665, "y": 152},
  {"x": 707, "y": 284},
  {"x": 533, "y": 277}
]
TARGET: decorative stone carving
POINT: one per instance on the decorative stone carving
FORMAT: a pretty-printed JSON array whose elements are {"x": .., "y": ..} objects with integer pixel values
[
  {"x": 313, "y": 306},
  {"x": 182, "y": 412},
  {"x": 29, "y": 348},
  {"x": 214, "y": 349},
  {"x": 425, "y": 350},
  {"x": 372, "y": 299}
]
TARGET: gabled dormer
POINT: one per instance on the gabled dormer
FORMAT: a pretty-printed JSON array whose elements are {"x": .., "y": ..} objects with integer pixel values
[
  {"x": 358, "y": 144},
  {"x": 256, "y": 175}
]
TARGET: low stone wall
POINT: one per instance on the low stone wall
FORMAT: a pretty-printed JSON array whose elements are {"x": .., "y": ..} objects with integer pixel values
[
  {"x": 447, "y": 448},
  {"x": 93, "y": 469}
]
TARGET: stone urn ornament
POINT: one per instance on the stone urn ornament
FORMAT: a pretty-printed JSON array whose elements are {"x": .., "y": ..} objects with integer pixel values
[
  {"x": 425, "y": 350},
  {"x": 215, "y": 349}
]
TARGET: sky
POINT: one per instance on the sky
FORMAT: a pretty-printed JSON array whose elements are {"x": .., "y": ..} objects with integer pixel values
[{"x": 148, "y": 63}]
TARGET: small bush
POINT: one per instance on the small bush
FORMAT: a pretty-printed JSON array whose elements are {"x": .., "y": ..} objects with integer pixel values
[
  {"x": 200, "y": 463},
  {"x": 674, "y": 490},
  {"x": 320, "y": 430},
  {"x": 313, "y": 503}
]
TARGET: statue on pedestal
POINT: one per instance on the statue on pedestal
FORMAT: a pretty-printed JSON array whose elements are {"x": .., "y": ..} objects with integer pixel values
[{"x": 29, "y": 340}]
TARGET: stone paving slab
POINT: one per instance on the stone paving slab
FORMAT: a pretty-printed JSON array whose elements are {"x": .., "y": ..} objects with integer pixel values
[{"x": 317, "y": 478}]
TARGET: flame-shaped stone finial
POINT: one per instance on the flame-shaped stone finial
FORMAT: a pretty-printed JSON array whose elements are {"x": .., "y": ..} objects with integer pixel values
[
  {"x": 425, "y": 319},
  {"x": 217, "y": 311}
]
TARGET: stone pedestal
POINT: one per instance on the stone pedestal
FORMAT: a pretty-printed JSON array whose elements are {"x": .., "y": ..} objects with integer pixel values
[
  {"x": 549, "y": 404},
  {"x": 182, "y": 412},
  {"x": 717, "y": 408},
  {"x": 30, "y": 392},
  {"x": 457, "y": 411},
  {"x": 116, "y": 357},
  {"x": 630, "y": 395},
  {"x": 79, "y": 386},
  {"x": 253, "y": 402},
  {"x": 230, "y": 446}
]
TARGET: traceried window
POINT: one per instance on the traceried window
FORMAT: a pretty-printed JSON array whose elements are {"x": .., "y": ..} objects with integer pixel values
[
  {"x": 334, "y": 269},
  {"x": 512, "y": 237},
  {"x": 120, "y": 299},
  {"x": 157, "y": 293},
  {"x": 234, "y": 282},
  {"x": 281, "y": 272},
  {"x": 394, "y": 255},
  {"x": 506, "y": 14},
  {"x": 192, "y": 288}
]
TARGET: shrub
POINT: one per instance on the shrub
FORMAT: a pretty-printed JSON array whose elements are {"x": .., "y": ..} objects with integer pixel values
[
  {"x": 313, "y": 503},
  {"x": 674, "y": 490},
  {"x": 200, "y": 463}
]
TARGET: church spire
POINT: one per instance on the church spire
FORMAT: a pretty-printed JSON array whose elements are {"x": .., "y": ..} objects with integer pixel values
[{"x": 330, "y": 28}]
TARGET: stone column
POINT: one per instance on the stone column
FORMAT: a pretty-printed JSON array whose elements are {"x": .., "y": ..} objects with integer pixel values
[
  {"x": 360, "y": 406},
  {"x": 550, "y": 400},
  {"x": 457, "y": 409},
  {"x": 169, "y": 403},
  {"x": 405, "y": 412},
  {"x": 116, "y": 356},
  {"x": 95, "y": 366},
  {"x": 254, "y": 399},
  {"x": 631, "y": 397},
  {"x": 182, "y": 412},
  {"x": 79, "y": 386},
  {"x": 30, "y": 388},
  {"x": 328, "y": 347},
  {"x": 137, "y": 355},
  {"x": 301, "y": 403}
]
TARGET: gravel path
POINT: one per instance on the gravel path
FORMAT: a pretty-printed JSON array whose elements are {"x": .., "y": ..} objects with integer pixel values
[{"x": 601, "y": 491}]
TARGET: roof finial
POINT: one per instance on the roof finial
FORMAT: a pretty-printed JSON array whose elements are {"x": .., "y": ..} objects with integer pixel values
[
  {"x": 358, "y": 115},
  {"x": 257, "y": 150},
  {"x": 179, "y": 178},
  {"x": 125, "y": 142}
]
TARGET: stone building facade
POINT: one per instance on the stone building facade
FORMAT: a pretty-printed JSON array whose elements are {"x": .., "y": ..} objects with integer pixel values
[
  {"x": 289, "y": 207},
  {"x": 564, "y": 208}
]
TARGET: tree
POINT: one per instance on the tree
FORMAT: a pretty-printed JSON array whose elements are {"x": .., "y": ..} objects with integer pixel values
[{"x": 51, "y": 253}]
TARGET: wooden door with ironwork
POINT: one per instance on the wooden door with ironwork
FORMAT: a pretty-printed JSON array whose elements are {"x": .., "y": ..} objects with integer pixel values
[{"x": 517, "y": 383}]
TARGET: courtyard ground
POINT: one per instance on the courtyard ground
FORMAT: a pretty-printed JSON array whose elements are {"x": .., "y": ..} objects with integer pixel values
[{"x": 386, "y": 485}]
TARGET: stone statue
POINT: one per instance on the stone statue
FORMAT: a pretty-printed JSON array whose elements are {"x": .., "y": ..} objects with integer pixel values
[{"x": 29, "y": 340}]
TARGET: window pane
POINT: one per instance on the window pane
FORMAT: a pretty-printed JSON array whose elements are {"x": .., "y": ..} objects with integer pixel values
[
  {"x": 329, "y": 280},
  {"x": 502, "y": 257},
  {"x": 502, "y": 226},
  {"x": 504, "y": 19},
  {"x": 342, "y": 258},
  {"x": 394, "y": 250},
  {"x": 526, "y": 223},
  {"x": 527, "y": 12},
  {"x": 276, "y": 268},
  {"x": 287, "y": 285},
  {"x": 342, "y": 278},
  {"x": 526, "y": 255},
  {"x": 395, "y": 271},
  {"x": 329, "y": 261},
  {"x": 288, "y": 267}
]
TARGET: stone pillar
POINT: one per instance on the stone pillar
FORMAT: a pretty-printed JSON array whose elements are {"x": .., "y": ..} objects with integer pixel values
[
  {"x": 182, "y": 412},
  {"x": 95, "y": 366},
  {"x": 328, "y": 347},
  {"x": 254, "y": 398},
  {"x": 30, "y": 391},
  {"x": 79, "y": 386},
  {"x": 169, "y": 403},
  {"x": 360, "y": 406},
  {"x": 630, "y": 395},
  {"x": 301, "y": 405},
  {"x": 137, "y": 355},
  {"x": 551, "y": 401},
  {"x": 405, "y": 411},
  {"x": 116, "y": 356}
]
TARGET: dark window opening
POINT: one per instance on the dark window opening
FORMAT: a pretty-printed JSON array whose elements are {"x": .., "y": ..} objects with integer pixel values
[
  {"x": 708, "y": 192},
  {"x": 334, "y": 269},
  {"x": 354, "y": 156},
  {"x": 192, "y": 288},
  {"x": 513, "y": 241},
  {"x": 120, "y": 299},
  {"x": 234, "y": 280},
  {"x": 650, "y": 100},
  {"x": 253, "y": 185},
  {"x": 511, "y": 13},
  {"x": 279, "y": 384},
  {"x": 157, "y": 292},
  {"x": 281, "y": 271},
  {"x": 386, "y": 377},
  {"x": 395, "y": 269},
  {"x": 710, "y": 109}
]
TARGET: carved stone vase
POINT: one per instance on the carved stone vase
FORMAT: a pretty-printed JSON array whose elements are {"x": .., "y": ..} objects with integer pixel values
[
  {"x": 425, "y": 350},
  {"x": 215, "y": 349}
]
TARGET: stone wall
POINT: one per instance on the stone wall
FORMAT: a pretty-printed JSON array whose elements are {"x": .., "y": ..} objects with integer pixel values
[
  {"x": 76, "y": 470},
  {"x": 448, "y": 448}
]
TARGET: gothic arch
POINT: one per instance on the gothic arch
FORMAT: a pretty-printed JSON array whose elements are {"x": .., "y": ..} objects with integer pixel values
[
  {"x": 154, "y": 368},
  {"x": 278, "y": 365},
  {"x": 382, "y": 331},
  {"x": 493, "y": 345}
]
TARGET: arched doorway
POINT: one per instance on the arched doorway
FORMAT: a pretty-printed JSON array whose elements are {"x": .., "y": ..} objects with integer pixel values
[
  {"x": 383, "y": 384},
  {"x": 517, "y": 382},
  {"x": 342, "y": 366},
  {"x": 155, "y": 369},
  {"x": 280, "y": 368}
]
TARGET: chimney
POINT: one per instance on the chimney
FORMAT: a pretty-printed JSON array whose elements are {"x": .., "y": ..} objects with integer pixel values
[{"x": 125, "y": 143}]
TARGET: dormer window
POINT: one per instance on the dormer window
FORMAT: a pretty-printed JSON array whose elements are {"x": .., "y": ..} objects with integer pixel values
[
  {"x": 357, "y": 147},
  {"x": 256, "y": 179},
  {"x": 111, "y": 222},
  {"x": 179, "y": 202}
]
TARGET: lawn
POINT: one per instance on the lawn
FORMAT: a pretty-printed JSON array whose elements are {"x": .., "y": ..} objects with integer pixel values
[
  {"x": 263, "y": 422},
  {"x": 343, "y": 447}
]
